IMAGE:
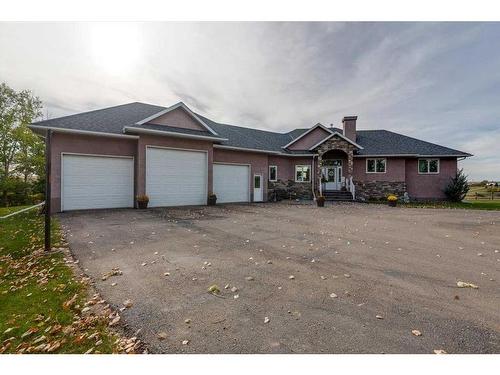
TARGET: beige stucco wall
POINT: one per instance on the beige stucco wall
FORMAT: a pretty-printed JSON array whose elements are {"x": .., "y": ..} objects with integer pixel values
[
  {"x": 309, "y": 140},
  {"x": 394, "y": 171},
  {"x": 429, "y": 186},
  {"x": 178, "y": 118}
]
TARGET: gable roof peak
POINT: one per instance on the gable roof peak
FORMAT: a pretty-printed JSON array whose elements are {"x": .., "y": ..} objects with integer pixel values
[
  {"x": 172, "y": 108},
  {"x": 318, "y": 125}
]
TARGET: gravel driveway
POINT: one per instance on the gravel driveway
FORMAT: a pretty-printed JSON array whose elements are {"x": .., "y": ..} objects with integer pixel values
[{"x": 391, "y": 271}]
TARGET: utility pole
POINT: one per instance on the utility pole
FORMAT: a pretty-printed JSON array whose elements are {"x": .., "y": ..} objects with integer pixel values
[{"x": 47, "y": 189}]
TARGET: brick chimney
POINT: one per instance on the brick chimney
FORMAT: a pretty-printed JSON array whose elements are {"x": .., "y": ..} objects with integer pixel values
[{"x": 349, "y": 125}]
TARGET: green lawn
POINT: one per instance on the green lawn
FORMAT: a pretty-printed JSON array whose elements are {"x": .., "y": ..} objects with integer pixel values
[
  {"x": 34, "y": 287},
  {"x": 7, "y": 210},
  {"x": 483, "y": 193},
  {"x": 473, "y": 204}
]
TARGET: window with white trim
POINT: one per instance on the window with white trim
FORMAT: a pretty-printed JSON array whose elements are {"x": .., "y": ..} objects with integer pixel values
[
  {"x": 376, "y": 165},
  {"x": 428, "y": 166},
  {"x": 302, "y": 173},
  {"x": 273, "y": 173}
]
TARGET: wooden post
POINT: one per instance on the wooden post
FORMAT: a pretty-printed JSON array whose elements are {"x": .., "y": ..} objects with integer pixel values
[{"x": 47, "y": 189}]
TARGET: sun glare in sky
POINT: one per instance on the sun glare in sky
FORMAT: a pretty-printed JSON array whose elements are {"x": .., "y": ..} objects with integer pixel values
[{"x": 115, "y": 47}]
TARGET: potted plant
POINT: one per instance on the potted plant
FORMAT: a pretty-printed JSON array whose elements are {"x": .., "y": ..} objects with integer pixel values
[
  {"x": 212, "y": 199},
  {"x": 393, "y": 200},
  {"x": 320, "y": 201},
  {"x": 142, "y": 201}
]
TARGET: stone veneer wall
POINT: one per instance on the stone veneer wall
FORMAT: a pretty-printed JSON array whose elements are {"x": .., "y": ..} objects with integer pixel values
[
  {"x": 366, "y": 190},
  {"x": 300, "y": 190}
]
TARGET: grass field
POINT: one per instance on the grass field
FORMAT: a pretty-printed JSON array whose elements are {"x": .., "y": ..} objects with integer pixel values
[
  {"x": 481, "y": 192},
  {"x": 472, "y": 205},
  {"x": 41, "y": 300}
]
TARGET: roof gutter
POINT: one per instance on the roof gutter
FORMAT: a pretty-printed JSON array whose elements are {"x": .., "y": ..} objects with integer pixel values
[
  {"x": 172, "y": 134},
  {"x": 81, "y": 132},
  {"x": 412, "y": 156},
  {"x": 234, "y": 148}
]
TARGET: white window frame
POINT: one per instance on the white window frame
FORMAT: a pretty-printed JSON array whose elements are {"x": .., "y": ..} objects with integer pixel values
[
  {"x": 375, "y": 159},
  {"x": 428, "y": 160},
  {"x": 275, "y": 174},
  {"x": 297, "y": 166}
]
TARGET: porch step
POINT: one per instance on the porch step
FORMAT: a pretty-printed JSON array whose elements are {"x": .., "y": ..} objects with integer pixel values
[{"x": 337, "y": 195}]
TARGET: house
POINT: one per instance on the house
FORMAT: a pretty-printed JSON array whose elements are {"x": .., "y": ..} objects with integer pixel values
[{"x": 103, "y": 158}]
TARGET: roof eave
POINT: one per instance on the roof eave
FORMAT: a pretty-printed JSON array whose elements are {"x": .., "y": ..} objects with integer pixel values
[
  {"x": 167, "y": 133},
  {"x": 464, "y": 155},
  {"x": 38, "y": 129},
  {"x": 244, "y": 149}
]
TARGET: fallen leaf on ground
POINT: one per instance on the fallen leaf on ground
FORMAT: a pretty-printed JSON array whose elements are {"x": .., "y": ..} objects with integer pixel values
[
  {"x": 162, "y": 336},
  {"x": 185, "y": 342},
  {"x": 187, "y": 321},
  {"x": 333, "y": 295},
  {"x": 440, "y": 351},
  {"x": 249, "y": 278},
  {"x": 416, "y": 332},
  {"x": 379, "y": 317},
  {"x": 266, "y": 320},
  {"x": 70, "y": 302},
  {"x": 463, "y": 284},
  {"x": 127, "y": 303},
  {"x": 214, "y": 289},
  {"x": 291, "y": 277}
]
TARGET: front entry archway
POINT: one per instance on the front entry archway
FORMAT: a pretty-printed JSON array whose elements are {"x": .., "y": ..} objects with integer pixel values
[
  {"x": 331, "y": 175},
  {"x": 339, "y": 176}
]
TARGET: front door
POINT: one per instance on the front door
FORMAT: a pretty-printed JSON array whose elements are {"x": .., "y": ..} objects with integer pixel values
[
  {"x": 257, "y": 188},
  {"x": 332, "y": 175}
]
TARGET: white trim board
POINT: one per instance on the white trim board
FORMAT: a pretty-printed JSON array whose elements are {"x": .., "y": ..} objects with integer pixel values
[
  {"x": 410, "y": 156},
  {"x": 172, "y": 134},
  {"x": 83, "y": 132},
  {"x": 333, "y": 135},
  {"x": 171, "y": 108},
  {"x": 235, "y": 148}
]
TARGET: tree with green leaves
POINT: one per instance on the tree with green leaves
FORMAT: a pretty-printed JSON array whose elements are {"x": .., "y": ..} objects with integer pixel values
[
  {"x": 21, "y": 152},
  {"x": 458, "y": 187}
]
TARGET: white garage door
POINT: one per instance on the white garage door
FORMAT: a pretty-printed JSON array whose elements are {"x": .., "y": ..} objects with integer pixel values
[
  {"x": 176, "y": 177},
  {"x": 96, "y": 182},
  {"x": 231, "y": 183}
]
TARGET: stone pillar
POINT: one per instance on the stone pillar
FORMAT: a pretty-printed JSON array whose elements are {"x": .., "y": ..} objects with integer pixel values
[{"x": 318, "y": 173}]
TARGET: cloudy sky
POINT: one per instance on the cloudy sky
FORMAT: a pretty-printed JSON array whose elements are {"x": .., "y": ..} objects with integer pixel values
[{"x": 435, "y": 81}]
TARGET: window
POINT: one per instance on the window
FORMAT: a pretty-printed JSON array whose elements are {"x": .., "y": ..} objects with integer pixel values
[
  {"x": 256, "y": 181},
  {"x": 376, "y": 165},
  {"x": 302, "y": 173},
  {"x": 273, "y": 173},
  {"x": 428, "y": 166}
]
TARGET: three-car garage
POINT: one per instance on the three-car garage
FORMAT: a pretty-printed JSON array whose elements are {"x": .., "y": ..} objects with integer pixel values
[{"x": 173, "y": 177}]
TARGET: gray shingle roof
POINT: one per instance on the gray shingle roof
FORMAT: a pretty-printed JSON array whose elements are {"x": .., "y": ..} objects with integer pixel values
[
  {"x": 385, "y": 142},
  {"x": 106, "y": 120},
  {"x": 114, "y": 119}
]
